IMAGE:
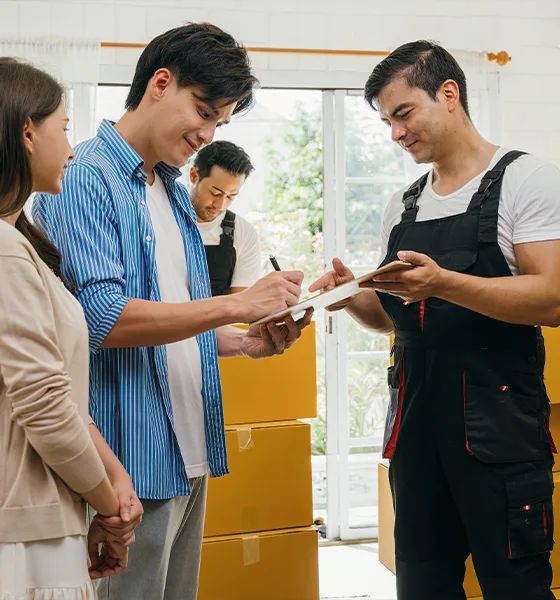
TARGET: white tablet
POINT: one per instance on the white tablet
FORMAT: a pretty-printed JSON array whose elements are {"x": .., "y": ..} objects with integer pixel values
[{"x": 322, "y": 300}]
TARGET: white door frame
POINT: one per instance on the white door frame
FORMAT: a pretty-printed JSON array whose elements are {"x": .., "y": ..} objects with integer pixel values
[{"x": 336, "y": 355}]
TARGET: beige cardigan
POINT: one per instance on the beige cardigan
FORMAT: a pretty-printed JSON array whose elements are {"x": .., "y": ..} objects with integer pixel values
[{"x": 45, "y": 447}]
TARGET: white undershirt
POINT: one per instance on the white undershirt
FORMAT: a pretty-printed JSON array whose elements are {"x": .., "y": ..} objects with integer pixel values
[
  {"x": 529, "y": 209},
  {"x": 247, "y": 247},
  {"x": 183, "y": 358}
]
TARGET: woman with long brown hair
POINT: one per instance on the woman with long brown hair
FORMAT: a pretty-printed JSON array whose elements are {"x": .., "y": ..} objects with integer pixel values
[{"x": 49, "y": 464}]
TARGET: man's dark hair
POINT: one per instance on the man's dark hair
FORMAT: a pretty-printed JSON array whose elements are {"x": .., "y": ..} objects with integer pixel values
[
  {"x": 198, "y": 54},
  {"x": 228, "y": 156},
  {"x": 423, "y": 65}
]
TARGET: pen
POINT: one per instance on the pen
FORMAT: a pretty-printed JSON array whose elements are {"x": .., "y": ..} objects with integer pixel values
[{"x": 274, "y": 263}]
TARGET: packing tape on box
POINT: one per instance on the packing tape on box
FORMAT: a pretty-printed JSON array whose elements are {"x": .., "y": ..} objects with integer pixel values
[
  {"x": 244, "y": 438},
  {"x": 251, "y": 550}
]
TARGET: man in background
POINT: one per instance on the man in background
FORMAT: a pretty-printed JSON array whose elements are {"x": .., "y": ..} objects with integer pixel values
[{"x": 232, "y": 244}]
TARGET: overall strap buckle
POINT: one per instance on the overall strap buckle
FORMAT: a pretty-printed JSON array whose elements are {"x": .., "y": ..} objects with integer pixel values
[
  {"x": 486, "y": 201},
  {"x": 492, "y": 177},
  {"x": 228, "y": 224},
  {"x": 410, "y": 199}
]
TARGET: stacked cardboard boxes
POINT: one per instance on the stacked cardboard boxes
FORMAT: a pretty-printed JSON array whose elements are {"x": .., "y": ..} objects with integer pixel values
[
  {"x": 386, "y": 515},
  {"x": 258, "y": 539}
]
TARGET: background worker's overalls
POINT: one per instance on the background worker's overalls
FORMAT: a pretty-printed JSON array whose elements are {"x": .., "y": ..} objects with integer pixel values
[{"x": 222, "y": 258}]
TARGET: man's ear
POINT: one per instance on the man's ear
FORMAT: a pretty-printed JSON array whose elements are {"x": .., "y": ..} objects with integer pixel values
[{"x": 194, "y": 175}]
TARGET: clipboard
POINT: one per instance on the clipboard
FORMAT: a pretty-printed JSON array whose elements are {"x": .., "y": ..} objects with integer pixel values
[{"x": 322, "y": 300}]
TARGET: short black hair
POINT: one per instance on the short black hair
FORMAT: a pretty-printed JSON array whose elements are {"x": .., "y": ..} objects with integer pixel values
[
  {"x": 228, "y": 156},
  {"x": 198, "y": 54},
  {"x": 423, "y": 64}
]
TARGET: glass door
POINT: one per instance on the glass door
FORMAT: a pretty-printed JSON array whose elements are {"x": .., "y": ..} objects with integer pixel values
[{"x": 362, "y": 171}]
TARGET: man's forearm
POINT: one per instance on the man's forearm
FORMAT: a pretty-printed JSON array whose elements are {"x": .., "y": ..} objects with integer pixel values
[
  {"x": 229, "y": 341},
  {"x": 146, "y": 323},
  {"x": 522, "y": 300},
  {"x": 366, "y": 309}
]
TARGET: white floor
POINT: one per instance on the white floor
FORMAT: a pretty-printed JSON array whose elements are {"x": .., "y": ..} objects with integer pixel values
[{"x": 354, "y": 572}]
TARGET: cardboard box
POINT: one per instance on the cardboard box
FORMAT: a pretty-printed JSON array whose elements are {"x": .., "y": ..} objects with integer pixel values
[
  {"x": 269, "y": 485},
  {"x": 387, "y": 543},
  {"x": 470, "y": 585},
  {"x": 386, "y": 519},
  {"x": 551, "y": 370},
  {"x": 280, "y": 388},
  {"x": 275, "y": 565}
]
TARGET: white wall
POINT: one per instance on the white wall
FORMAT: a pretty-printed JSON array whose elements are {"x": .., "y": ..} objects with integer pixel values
[{"x": 528, "y": 30}]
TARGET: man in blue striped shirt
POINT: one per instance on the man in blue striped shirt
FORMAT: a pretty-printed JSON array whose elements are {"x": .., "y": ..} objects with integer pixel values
[{"x": 130, "y": 245}]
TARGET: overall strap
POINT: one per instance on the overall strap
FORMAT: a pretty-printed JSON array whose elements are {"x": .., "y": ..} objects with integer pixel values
[
  {"x": 487, "y": 198},
  {"x": 410, "y": 199},
  {"x": 228, "y": 226}
]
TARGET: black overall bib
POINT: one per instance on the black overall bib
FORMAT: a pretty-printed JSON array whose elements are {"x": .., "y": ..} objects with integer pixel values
[
  {"x": 221, "y": 259},
  {"x": 467, "y": 427}
]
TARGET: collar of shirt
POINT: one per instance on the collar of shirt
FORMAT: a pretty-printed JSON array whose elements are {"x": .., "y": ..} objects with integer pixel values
[{"x": 129, "y": 160}]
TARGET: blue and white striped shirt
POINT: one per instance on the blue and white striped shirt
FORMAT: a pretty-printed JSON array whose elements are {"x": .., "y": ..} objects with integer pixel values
[{"x": 102, "y": 227}]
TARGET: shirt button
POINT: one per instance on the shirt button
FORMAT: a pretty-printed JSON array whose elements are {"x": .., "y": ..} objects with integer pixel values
[
  {"x": 532, "y": 360},
  {"x": 139, "y": 175},
  {"x": 143, "y": 203},
  {"x": 148, "y": 238}
]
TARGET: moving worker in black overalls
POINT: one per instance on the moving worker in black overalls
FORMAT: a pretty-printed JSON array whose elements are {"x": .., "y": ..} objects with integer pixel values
[
  {"x": 232, "y": 246},
  {"x": 467, "y": 426}
]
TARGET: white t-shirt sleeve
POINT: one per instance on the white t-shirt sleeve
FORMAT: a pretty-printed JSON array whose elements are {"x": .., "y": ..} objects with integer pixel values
[
  {"x": 391, "y": 217},
  {"x": 535, "y": 213},
  {"x": 248, "y": 263}
]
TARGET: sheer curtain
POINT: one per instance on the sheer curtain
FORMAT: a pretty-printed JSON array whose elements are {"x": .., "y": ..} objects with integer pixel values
[
  {"x": 73, "y": 62},
  {"x": 483, "y": 93}
]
